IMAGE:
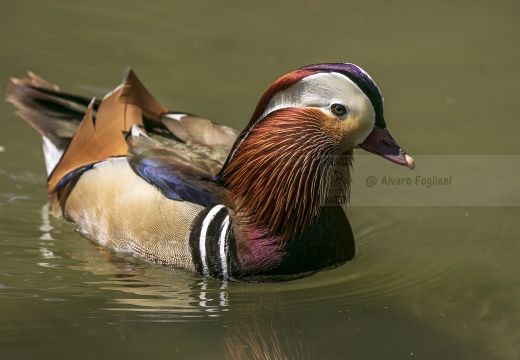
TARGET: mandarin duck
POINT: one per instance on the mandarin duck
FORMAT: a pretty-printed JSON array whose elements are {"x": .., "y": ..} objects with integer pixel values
[{"x": 178, "y": 189}]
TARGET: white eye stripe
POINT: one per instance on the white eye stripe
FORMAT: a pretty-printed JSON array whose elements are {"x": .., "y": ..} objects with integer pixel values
[{"x": 321, "y": 91}]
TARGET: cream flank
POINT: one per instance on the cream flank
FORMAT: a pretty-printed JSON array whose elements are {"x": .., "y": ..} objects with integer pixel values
[{"x": 113, "y": 205}]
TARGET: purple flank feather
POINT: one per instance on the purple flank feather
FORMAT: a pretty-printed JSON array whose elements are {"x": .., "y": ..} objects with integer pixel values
[{"x": 265, "y": 252}]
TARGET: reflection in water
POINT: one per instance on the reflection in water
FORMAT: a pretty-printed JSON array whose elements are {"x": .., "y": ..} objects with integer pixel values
[
  {"x": 164, "y": 302},
  {"x": 261, "y": 340},
  {"x": 251, "y": 332}
]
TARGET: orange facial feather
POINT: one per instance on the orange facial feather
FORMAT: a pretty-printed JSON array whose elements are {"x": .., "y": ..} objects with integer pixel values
[{"x": 278, "y": 178}]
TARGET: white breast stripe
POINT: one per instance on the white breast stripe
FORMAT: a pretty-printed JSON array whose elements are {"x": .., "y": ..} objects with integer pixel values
[
  {"x": 222, "y": 243},
  {"x": 202, "y": 243}
]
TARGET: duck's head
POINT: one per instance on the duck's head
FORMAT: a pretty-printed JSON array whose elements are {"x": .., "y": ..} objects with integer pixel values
[
  {"x": 314, "y": 112},
  {"x": 346, "y": 101}
]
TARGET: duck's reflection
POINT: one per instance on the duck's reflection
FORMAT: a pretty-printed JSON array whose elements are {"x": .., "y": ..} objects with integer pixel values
[
  {"x": 260, "y": 339},
  {"x": 250, "y": 333}
]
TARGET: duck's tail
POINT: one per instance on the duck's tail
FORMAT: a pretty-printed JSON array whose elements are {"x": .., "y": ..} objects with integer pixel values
[{"x": 56, "y": 115}]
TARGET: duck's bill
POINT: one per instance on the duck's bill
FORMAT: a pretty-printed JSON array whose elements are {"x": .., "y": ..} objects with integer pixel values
[{"x": 381, "y": 143}]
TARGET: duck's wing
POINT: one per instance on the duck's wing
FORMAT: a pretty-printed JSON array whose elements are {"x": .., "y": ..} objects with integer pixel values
[
  {"x": 185, "y": 148},
  {"x": 181, "y": 171}
]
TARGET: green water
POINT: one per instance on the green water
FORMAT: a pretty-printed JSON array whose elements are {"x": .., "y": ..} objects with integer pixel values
[{"x": 437, "y": 280}]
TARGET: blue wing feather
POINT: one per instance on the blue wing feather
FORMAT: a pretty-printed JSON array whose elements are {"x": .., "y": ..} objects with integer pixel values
[{"x": 175, "y": 184}]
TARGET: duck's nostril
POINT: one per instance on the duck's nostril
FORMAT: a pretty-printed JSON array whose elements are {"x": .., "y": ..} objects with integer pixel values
[{"x": 386, "y": 142}]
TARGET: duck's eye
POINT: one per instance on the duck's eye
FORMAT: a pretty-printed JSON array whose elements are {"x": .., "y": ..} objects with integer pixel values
[{"x": 338, "y": 109}]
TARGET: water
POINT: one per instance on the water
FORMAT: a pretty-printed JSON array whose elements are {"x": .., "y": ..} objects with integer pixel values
[{"x": 428, "y": 281}]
